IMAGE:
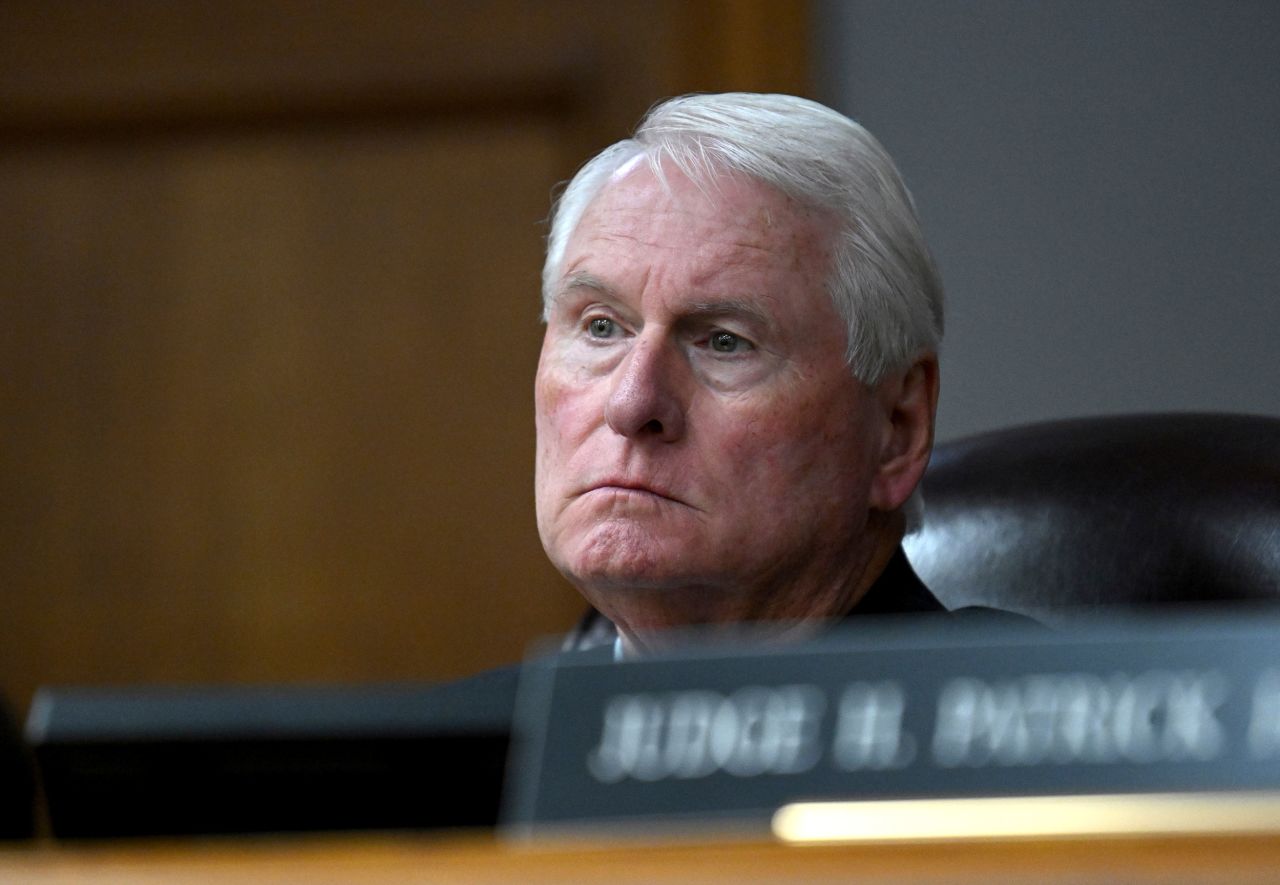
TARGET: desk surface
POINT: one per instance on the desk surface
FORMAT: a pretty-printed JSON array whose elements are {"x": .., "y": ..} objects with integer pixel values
[{"x": 318, "y": 860}]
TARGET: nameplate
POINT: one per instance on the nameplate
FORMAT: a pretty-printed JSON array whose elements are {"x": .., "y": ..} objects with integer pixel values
[{"x": 728, "y": 736}]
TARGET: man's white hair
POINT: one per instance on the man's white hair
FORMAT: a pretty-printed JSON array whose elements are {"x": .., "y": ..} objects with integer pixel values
[{"x": 883, "y": 281}]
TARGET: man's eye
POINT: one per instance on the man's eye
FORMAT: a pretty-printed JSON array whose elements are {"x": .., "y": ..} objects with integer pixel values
[
  {"x": 601, "y": 327},
  {"x": 727, "y": 342}
]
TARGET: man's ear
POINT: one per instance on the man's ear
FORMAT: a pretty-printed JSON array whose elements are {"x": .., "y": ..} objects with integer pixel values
[{"x": 909, "y": 401}]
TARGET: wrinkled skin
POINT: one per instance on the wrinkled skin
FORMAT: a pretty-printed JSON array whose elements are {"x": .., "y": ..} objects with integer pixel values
[{"x": 705, "y": 455}]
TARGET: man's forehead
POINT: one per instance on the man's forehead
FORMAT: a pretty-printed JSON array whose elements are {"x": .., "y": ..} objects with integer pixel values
[
  {"x": 736, "y": 249},
  {"x": 710, "y": 193},
  {"x": 742, "y": 220}
]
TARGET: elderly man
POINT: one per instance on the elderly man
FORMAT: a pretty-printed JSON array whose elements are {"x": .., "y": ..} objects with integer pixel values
[{"x": 736, "y": 393}]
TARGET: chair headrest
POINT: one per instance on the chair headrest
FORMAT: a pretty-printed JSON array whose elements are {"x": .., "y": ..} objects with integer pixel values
[{"x": 1106, "y": 511}]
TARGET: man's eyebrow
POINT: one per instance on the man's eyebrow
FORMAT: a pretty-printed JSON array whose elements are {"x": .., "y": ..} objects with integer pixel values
[
  {"x": 729, "y": 307},
  {"x": 581, "y": 279},
  {"x": 720, "y": 307}
]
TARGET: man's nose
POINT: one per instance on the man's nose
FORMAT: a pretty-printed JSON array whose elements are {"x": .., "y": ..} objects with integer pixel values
[{"x": 645, "y": 400}]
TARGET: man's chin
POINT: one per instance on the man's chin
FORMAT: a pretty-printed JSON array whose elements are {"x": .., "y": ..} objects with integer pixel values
[
  {"x": 638, "y": 573},
  {"x": 641, "y": 555},
  {"x": 651, "y": 566}
]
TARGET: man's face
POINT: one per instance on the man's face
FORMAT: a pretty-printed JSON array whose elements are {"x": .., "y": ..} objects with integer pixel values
[{"x": 704, "y": 453}]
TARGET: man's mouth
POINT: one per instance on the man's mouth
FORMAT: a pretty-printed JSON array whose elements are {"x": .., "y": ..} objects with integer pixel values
[{"x": 629, "y": 486}]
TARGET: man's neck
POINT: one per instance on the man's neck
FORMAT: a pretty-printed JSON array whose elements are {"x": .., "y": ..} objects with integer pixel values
[{"x": 638, "y": 636}]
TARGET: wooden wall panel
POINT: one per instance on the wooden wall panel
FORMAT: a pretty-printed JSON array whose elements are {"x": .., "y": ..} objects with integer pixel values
[
  {"x": 268, "y": 322},
  {"x": 262, "y": 404}
]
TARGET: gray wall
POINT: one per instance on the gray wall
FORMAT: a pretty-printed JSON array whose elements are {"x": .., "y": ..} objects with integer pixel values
[{"x": 1100, "y": 183}]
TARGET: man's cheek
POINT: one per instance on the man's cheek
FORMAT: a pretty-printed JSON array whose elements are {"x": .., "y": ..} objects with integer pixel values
[
  {"x": 758, "y": 441},
  {"x": 564, "y": 401},
  {"x": 546, "y": 395}
]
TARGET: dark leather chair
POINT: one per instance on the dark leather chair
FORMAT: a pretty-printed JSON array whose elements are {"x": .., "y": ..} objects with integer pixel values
[{"x": 1101, "y": 514}]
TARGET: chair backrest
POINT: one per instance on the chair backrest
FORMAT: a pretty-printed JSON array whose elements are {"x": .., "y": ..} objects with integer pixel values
[{"x": 1094, "y": 513}]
